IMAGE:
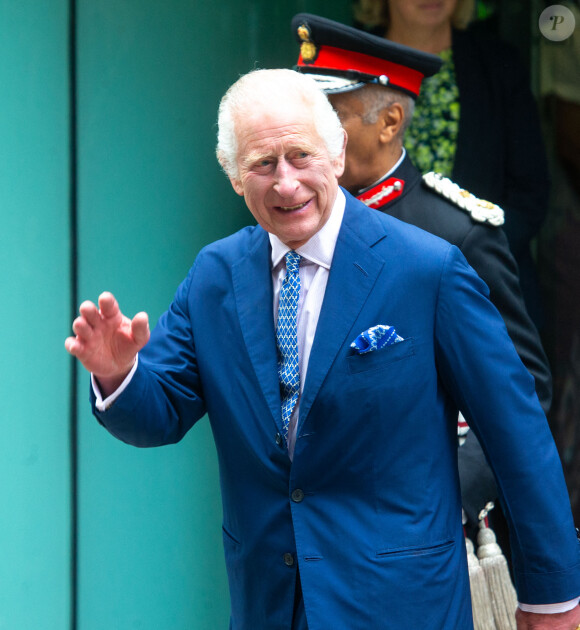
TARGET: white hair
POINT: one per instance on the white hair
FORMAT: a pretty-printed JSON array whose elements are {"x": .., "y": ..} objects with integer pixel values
[
  {"x": 376, "y": 98},
  {"x": 273, "y": 87}
]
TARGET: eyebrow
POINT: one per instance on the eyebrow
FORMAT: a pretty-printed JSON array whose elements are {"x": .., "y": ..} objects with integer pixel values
[{"x": 255, "y": 156}]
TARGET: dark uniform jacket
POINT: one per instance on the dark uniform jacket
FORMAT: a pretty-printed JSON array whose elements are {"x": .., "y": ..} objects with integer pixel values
[
  {"x": 500, "y": 153},
  {"x": 486, "y": 249}
]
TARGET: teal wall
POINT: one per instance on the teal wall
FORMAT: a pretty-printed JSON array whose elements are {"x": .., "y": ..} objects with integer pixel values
[
  {"x": 150, "y": 195},
  {"x": 34, "y": 308}
]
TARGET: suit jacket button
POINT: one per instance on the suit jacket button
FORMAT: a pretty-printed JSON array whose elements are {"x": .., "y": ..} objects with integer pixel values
[
  {"x": 288, "y": 559},
  {"x": 297, "y": 495},
  {"x": 279, "y": 439}
]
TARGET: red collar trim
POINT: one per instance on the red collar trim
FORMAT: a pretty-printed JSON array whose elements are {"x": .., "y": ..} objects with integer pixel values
[{"x": 382, "y": 193}]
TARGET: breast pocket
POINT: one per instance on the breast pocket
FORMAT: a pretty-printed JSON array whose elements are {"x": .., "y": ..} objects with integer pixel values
[{"x": 379, "y": 359}]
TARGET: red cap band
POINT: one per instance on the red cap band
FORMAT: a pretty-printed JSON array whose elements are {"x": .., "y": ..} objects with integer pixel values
[{"x": 338, "y": 59}]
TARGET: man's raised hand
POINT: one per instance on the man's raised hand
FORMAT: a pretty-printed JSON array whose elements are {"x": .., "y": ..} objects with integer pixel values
[{"x": 106, "y": 341}]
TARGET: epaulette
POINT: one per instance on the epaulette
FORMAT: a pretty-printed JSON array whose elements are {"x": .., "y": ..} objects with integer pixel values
[{"x": 479, "y": 209}]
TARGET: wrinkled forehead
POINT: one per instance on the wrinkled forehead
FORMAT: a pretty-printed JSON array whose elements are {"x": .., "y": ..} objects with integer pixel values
[{"x": 266, "y": 131}]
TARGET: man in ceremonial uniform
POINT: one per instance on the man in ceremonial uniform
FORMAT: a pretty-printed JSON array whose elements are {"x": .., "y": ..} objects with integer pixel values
[{"x": 372, "y": 83}]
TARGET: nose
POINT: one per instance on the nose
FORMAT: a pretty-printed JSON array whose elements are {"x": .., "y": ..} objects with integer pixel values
[{"x": 285, "y": 180}]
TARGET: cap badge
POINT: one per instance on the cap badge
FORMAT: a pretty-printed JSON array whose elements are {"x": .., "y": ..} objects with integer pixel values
[{"x": 308, "y": 49}]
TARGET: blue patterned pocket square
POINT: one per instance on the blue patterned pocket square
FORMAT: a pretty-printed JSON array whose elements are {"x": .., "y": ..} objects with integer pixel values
[{"x": 375, "y": 338}]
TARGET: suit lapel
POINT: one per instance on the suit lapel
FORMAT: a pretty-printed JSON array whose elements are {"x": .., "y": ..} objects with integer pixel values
[
  {"x": 354, "y": 272},
  {"x": 355, "y": 269},
  {"x": 252, "y": 281}
]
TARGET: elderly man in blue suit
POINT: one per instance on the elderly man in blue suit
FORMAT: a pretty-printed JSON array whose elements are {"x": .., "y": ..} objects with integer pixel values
[{"x": 321, "y": 343}]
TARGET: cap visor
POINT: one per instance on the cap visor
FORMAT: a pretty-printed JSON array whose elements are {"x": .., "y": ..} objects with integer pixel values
[{"x": 335, "y": 85}]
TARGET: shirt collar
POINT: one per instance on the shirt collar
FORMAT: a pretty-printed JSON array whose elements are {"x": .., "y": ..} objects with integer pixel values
[
  {"x": 392, "y": 170},
  {"x": 320, "y": 248}
]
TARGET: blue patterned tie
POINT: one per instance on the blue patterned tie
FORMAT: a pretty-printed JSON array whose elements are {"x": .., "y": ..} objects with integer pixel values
[{"x": 287, "y": 339}]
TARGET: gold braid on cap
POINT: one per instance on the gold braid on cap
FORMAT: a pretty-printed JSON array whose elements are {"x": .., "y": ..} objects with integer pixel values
[{"x": 308, "y": 48}]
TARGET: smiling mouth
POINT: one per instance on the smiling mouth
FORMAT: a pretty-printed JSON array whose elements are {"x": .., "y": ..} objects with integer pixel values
[{"x": 292, "y": 208}]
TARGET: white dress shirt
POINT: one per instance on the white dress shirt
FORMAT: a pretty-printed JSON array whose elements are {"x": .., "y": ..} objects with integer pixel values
[{"x": 316, "y": 256}]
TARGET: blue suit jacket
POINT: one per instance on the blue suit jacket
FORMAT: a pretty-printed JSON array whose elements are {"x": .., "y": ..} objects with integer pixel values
[{"x": 376, "y": 529}]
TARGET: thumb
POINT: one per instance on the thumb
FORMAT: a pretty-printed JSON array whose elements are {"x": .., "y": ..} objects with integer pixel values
[{"x": 140, "y": 329}]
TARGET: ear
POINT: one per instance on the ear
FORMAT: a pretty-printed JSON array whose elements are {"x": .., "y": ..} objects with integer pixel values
[
  {"x": 393, "y": 117},
  {"x": 237, "y": 186},
  {"x": 338, "y": 163},
  {"x": 236, "y": 183}
]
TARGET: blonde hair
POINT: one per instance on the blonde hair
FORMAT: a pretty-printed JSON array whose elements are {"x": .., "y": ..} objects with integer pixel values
[{"x": 375, "y": 13}]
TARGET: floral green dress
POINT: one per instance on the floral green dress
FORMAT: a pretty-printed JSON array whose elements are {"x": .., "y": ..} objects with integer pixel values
[{"x": 431, "y": 139}]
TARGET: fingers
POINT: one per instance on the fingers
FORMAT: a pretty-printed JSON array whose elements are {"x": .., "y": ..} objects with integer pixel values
[
  {"x": 73, "y": 346},
  {"x": 83, "y": 328},
  {"x": 104, "y": 333},
  {"x": 90, "y": 313},
  {"x": 84, "y": 332},
  {"x": 108, "y": 305},
  {"x": 140, "y": 329},
  {"x": 92, "y": 316}
]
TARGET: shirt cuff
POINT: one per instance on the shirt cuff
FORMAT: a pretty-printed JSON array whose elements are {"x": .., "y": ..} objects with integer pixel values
[
  {"x": 103, "y": 405},
  {"x": 549, "y": 609}
]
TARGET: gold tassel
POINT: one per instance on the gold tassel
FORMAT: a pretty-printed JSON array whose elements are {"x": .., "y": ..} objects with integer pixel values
[
  {"x": 480, "y": 598},
  {"x": 494, "y": 565}
]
